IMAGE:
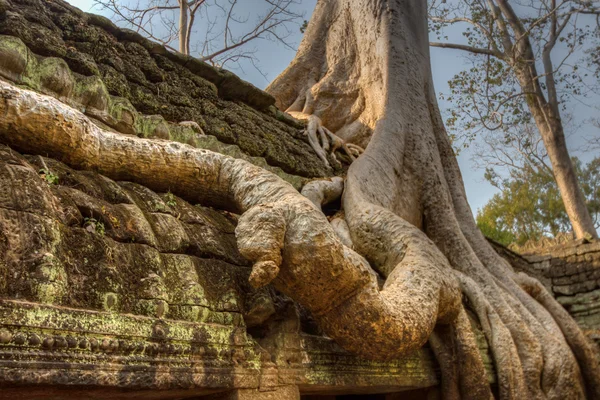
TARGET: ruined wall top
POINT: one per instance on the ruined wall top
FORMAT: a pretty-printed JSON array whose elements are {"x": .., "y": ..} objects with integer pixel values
[{"x": 137, "y": 86}]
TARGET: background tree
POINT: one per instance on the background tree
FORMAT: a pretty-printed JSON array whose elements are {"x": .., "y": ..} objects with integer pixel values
[
  {"x": 529, "y": 208},
  {"x": 507, "y": 42},
  {"x": 593, "y": 142},
  {"x": 223, "y": 35}
]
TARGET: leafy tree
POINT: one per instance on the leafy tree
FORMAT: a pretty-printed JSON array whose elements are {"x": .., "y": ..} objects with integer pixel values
[
  {"x": 522, "y": 71},
  {"x": 529, "y": 206}
]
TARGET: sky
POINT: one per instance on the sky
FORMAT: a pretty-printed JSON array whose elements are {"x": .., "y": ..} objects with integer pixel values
[{"x": 274, "y": 58}]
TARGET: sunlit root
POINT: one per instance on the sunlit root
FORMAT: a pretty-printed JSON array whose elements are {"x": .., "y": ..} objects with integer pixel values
[
  {"x": 355, "y": 149},
  {"x": 323, "y": 191},
  {"x": 509, "y": 370},
  {"x": 584, "y": 350},
  {"x": 323, "y": 141},
  {"x": 340, "y": 227},
  {"x": 455, "y": 348},
  {"x": 260, "y": 233},
  {"x": 288, "y": 241}
]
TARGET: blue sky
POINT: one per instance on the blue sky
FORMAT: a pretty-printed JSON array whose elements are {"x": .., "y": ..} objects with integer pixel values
[{"x": 274, "y": 58}]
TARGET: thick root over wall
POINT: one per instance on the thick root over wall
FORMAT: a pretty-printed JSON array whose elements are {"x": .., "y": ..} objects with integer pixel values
[
  {"x": 282, "y": 232},
  {"x": 404, "y": 206}
]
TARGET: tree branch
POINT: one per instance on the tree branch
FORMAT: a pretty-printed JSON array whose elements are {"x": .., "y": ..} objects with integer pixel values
[{"x": 470, "y": 49}]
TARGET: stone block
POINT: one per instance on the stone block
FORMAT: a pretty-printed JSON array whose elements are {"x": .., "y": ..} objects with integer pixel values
[{"x": 280, "y": 393}]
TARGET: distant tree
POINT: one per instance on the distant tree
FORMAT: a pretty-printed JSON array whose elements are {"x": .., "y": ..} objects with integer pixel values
[
  {"x": 522, "y": 72},
  {"x": 529, "y": 206},
  {"x": 224, "y": 35}
]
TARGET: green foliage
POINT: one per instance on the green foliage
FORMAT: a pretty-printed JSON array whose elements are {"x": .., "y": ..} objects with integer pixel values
[
  {"x": 170, "y": 197},
  {"x": 529, "y": 206},
  {"x": 48, "y": 176},
  {"x": 304, "y": 26},
  {"x": 93, "y": 225},
  {"x": 487, "y": 95}
]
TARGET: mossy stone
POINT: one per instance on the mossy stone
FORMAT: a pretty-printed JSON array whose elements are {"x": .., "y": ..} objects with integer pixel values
[
  {"x": 55, "y": 77},
  {"x": 13, "y": 57}
]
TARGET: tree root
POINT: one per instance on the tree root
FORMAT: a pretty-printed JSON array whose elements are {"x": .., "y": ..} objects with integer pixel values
[
  {"x": 280, "y": 231},
  {"x": 323, "y": 191},
  {"x": 323, "y": 141},
  {"x": 584, "y": 350},
  {"x": 455, "y": 347},
  {"x": 554, "y": 338},
  {"x": 340, "y": 227}
]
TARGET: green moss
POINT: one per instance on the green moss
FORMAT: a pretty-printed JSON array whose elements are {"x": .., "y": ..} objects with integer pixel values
[
  {"x": 90, "y": 92},
  {"x": 115, "y": 81},
  {"x": 151, "y": 126},
  {"x": 183, "y": 134},
  {"x": 52, "y": 74},
  {"x": 55, "y": 77},
  {"x": 14, "y": 56},
  {"x": 110, "y": 301},
  {"x": 123, "y": 112},
  {"x": 152, "y": 308},
  {"x": 49, "y": 284}
]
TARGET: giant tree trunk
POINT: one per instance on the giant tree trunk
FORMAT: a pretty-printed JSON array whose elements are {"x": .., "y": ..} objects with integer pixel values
[{"x": 364, "y": 69}]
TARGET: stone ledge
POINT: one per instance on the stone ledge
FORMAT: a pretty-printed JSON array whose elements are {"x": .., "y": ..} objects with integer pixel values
[{"x": 89, "y": 351}]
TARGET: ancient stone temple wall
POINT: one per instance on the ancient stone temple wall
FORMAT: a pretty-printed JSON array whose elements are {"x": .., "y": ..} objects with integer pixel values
[
  {"x": 108, "y": 287},
  {"x": 571, "y": 272},
  {"x": 110, "y": 290}
]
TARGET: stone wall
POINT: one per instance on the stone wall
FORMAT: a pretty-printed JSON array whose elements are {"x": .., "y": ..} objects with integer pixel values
[
  {"x": 136, "y": 86},
  {"x": 109, "y": 290},
  {"x": 572, "y": 273}
]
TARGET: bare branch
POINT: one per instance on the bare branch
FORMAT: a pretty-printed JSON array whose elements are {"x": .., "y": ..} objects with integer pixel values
[
  {"x": 221, "y": 36},
  {"x": 463, "y": 47}
]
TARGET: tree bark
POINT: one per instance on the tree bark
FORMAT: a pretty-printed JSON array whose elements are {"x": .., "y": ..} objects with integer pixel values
[
  {"x": 363, "y": 69},
  {"x": 183, "y": 27}
]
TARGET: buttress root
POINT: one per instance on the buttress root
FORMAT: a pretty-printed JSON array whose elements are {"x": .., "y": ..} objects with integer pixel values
[{"x": 323, "y": 141}]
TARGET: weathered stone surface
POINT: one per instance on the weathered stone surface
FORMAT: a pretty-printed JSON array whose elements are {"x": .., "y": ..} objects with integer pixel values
[
  {"x": 571, "y": 272},
  {"x": 52, "y": 76},
  {"x": 109, "y": 286},
  {"x": 282, "y": 393},
  {"x": 74, "y": 54},
  {"x": 78, "y": 239}
]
